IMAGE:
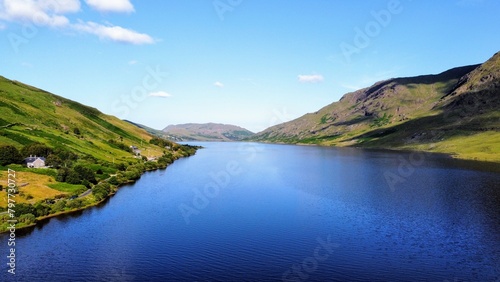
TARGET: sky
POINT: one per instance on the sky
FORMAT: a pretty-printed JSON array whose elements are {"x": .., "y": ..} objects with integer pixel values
[{"x": 252, "y": 63}]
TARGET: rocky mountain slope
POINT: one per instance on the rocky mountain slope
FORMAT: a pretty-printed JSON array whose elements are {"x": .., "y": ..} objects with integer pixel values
[{"x": 455, "y": 112}]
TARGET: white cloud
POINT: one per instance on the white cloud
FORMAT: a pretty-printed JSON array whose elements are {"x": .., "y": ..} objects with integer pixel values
[
  {"x": 219, "y": 84},
  {"x": 115, "y": 33},
  {"x": 132, "y": 62},
  {"x": 310, "y": 78},
  {"x": 41, "y": 13},
  {"x": 51, "y": 13},
  {"x": 120, "y": 6},
  {"x": 161, "y": 94}
]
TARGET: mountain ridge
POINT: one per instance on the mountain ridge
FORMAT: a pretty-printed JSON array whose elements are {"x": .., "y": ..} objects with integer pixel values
[
  {"x": 441, "y": 113},
  {"x": 206, "y": 132}
]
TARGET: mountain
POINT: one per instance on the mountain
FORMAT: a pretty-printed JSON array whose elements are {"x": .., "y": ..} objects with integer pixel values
[
  {"x": 455, "y": 112},
  {"x": 148, "y": 129},
  {"x": 206, "y": 132},
  {"x": 29, "y": 114}
]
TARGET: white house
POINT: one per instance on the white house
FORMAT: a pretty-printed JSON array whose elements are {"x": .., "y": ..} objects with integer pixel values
[
  {"x": 136, "y": 150},
  {"x": 35, "y": 162}
]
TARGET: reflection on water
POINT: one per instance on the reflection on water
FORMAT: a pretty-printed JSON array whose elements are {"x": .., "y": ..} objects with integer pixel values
[{"x": 282, "y": 213}]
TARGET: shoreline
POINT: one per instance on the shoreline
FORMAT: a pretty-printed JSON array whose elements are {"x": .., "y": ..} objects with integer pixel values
[
  {"x": 455, "y": 156},
  {"x": 61, "y": 213}
]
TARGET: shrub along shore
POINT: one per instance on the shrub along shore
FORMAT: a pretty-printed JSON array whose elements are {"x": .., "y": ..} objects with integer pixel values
[{"x": 79, "y": 182}]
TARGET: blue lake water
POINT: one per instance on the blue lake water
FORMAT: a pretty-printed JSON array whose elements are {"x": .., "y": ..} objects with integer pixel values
[{"x": 260, "y": 212}]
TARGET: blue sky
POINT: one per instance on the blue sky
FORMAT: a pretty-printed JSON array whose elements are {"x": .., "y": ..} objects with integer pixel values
[{"x": 250, "y": 63}]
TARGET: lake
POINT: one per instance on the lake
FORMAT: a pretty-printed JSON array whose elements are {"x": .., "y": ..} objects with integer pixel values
[{"x": 262, "y": 212}]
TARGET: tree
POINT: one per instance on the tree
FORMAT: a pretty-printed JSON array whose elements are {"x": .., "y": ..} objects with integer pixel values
[
  {"x": 73, "y": 177},
  {"x": 41, "y": 209},
  {"x": 75, "y": 204},
  {"x": 121, "y": 166},
  {"x": 62, "y": 174},
  {"x": 9, "y": 155},
  {"x": 22, "y": 208},
  {"x": 59, "y": 206},
  {"x": 101, "y": 191},
  {"x": 28, "y": 218},
  {"x": 85, "y": 173},
  {"x": 36, "y": 149},
  {"x": 54, "y": 161},
  {"x": 65, "y": 155}
]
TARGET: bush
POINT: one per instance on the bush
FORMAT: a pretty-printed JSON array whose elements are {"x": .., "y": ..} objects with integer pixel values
[
  {"x": 151, "y": 165},
  {"x": 36, "y": 149},
  {"x": 62, "y": 173},
  {"x": 27, "y": 219},
  {"x": 54, "y": 161},
  {"x": 114, "y": 180},
  {"x": 85, "y": 173},
  {"x": 86, "y": 183},
  {"x": 101, "y": 191},
  {"x": 73, "y": 177},
  {"x": 59, "y": 206},
  {"x": 9, "y": 155},
  {"x": 132, "y": 174},
  {"x": 121, "y": 166},
  {"x": 120, "y": 146},
  {"x": 41, "y": 209},
  {"x": 24, "y": 209},
  {"x": 74, "y": 204}
]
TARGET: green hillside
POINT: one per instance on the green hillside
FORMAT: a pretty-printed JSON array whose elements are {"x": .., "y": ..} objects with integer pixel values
[
  {"x": 88, "y": 154},
  {"x": 33, "y": 115},
  {"x": 455, "y": 112}
]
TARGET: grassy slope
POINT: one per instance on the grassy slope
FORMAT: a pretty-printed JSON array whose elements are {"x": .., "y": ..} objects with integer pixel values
[
  {"x": 455, "y": 112},
  {"x": 36, "y": 187},
  {"x": 30, "y": 114}
]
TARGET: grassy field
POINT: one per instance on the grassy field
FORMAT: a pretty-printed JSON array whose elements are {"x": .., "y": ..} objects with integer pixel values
[
  {"x": 33, "y": 187},
  {"x": 68, "y": 188}
]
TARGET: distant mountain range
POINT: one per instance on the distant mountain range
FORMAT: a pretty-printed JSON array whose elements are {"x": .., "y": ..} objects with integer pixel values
[
  {"x": 455, "y": 112},
  {"x": 206, "y": 132}
]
